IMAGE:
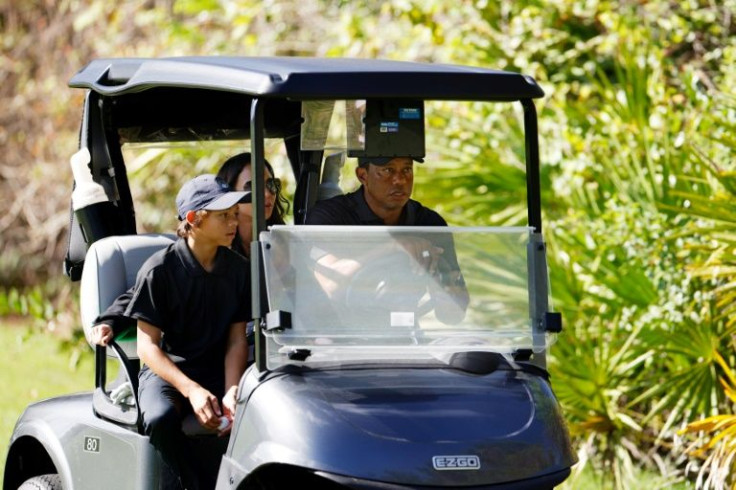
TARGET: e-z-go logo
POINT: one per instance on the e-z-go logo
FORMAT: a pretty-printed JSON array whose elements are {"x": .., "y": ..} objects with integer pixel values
[{"x": 465, "y": 462}]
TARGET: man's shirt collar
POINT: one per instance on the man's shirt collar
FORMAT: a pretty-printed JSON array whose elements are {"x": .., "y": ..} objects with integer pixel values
[{"x": 368, "y": 217}]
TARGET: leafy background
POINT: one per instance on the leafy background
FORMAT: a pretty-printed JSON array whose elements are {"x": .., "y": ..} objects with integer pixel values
[{"x": 637, "y": 137}]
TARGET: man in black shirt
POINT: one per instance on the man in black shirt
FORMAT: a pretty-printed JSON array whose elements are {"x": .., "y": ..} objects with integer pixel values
[
  {"x": 191, "y": 302},
  {"x": 384, "y": 198}
]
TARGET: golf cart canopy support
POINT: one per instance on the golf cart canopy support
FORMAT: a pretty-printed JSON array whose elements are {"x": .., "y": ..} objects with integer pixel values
[{"x": 255, "y": 98}]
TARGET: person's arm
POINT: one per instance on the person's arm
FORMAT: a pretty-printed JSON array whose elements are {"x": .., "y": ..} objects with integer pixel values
[
  {"x": 450, "y": 296},
  {"x": 112, "y": 321},
  {"x": 236, "y": 359},
  {"x": 448, "y": 290},
  {"x": 333, "y": 273},
  {"x": 205, "y": 405}
]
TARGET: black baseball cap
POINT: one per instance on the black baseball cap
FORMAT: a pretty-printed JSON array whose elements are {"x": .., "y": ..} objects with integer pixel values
[
  {"x": 363, "y": 161},
  {"x": 206, "y": 192}
]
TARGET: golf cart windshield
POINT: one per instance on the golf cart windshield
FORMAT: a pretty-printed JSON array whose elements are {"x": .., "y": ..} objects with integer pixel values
[{"x": 347, "y": 293}]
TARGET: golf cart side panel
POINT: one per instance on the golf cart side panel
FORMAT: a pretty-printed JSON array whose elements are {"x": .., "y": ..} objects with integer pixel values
[
  {"x": 388, "y": 425},
  {"x": 88, "y": 453}
]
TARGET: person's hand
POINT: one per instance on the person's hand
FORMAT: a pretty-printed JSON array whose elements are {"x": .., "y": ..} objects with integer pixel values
[
  {"x": 205, "y": 407},
  {"x": 228, "y": 408},
  {"x": 426, "y": 255},
  {"x": 101, "y": 334}
]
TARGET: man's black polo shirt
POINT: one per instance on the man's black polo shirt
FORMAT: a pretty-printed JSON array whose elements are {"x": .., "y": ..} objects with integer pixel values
[
  {"x": 193, "y": 308},
  {"x": 352, "y": 209}
]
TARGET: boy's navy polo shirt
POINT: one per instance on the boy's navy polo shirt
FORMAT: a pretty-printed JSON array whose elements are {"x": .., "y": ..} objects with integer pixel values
[
  {"x": 193, "y": 308},
  {"x": 352, "y": 209}
]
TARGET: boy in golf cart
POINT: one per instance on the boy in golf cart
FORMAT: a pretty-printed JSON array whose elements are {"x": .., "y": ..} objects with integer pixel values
[{"x": 192, "y": 301}]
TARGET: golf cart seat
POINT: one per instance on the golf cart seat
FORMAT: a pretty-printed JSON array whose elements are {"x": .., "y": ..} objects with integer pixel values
[
  {"x": 330, "y": 182},
  {"x": 110, "y": 269},
  {"x": 111, "y": 266}
]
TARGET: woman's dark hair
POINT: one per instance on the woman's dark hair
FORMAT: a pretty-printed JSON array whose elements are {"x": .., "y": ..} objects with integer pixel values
[{"x": 229, "y": 172}]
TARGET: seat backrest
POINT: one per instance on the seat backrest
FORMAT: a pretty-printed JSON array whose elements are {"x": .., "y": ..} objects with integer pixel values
[
  {"x": 330, "y": 183},
  {"x": 110, "y": 269}
]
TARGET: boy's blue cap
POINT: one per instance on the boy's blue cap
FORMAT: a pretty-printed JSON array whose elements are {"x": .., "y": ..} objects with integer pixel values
[{"x": 206, "y": 192}]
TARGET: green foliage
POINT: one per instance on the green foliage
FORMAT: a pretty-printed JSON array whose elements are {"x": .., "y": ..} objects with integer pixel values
[
  {"x": 29, "y": 303},
  {"x": 639, "y": 216},
  {"x": 638, "y": 177},
  {"x": 718, "y": 466},
  {"x": 57, "y": 316}
]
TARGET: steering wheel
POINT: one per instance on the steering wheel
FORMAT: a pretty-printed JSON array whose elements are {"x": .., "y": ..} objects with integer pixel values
[{"x": 391, "y": 283}]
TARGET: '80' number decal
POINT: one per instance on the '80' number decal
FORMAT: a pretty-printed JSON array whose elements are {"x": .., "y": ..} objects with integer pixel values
[{"x": 91, "y": 444}]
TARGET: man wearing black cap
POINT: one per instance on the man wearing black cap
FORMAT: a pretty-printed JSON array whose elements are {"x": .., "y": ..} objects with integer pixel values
[
  {"x": 191, "y": 302},
  {"x": 384, "y": 198}
]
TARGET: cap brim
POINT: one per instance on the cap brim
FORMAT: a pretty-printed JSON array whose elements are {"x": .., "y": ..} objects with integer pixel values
[
  {"x": 383, "y": 160},
  {"x": 226, "y": 201}
]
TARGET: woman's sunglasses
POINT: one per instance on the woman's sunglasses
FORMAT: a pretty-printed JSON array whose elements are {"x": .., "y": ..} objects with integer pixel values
[{"x": 273, "y": 185}]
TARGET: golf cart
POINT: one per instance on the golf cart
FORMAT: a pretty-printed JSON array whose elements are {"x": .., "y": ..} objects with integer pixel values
[{"x": 373, "y": 387}]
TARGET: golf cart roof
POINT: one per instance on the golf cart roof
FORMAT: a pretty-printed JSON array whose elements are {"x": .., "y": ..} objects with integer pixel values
[{"x": 300, "y": 78}]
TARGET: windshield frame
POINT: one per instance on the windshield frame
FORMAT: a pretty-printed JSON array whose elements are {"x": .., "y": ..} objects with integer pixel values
[{"x": 379, "y": 315}]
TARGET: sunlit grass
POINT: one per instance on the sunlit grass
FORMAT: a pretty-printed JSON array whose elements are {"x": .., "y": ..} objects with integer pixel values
[{"x": 35, "y": 367}]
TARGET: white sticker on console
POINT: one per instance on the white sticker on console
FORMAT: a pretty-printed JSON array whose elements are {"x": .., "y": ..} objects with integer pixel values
[{"x": 402, "y": 318}]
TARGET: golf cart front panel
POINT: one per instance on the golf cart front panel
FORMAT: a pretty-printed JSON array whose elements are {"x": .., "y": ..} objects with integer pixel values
[{"x": 401, "y": 425}]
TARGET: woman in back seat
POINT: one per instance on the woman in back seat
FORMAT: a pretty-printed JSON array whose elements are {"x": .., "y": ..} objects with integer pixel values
[{"x": 236, "y": 171}]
